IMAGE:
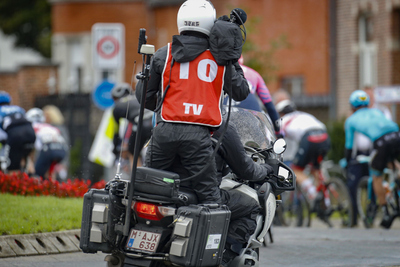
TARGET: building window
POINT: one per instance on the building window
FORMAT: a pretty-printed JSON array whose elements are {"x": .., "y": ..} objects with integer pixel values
[
  {"x": 293, "y": 84},
  {"x": 396, "y": 26},
  {"x": 367, "y": 52},
  {"x": 396, "y": 46}
]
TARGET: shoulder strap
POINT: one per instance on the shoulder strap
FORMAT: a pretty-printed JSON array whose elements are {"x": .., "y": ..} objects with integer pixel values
[{"x": 159, "y": 104}]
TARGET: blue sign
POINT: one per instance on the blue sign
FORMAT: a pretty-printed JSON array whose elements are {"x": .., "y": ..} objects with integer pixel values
[{"x": 101, "y": 96}]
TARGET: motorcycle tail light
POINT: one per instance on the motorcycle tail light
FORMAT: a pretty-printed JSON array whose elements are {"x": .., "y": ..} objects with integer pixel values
[
  {"x": 151, "y": 211},
  {"x": 166, "y": 211}
]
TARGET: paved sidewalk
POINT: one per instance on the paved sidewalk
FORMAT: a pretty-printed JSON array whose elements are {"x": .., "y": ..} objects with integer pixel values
[{"x": 39, "y": 244}]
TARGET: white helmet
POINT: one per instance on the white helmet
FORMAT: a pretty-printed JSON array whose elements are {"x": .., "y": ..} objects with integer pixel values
[
  {"x": 196, "y": 15},
  {"x": 35, "y": 115},
  {"x": 285, "y": 106}
]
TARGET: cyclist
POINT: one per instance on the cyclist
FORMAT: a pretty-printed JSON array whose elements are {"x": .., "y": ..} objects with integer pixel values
[
  {"x": 3, "y": 153},
  {"x": 308, "y": 142},
  {"x": 258, "y": 88},
  {"x": 362, "y": 145},
  {"x": 385, "y": 136},
  {"x": 125, "y": 102},
  {"x": 20, "y": 134},
  {"x": 50, "y": 145}
]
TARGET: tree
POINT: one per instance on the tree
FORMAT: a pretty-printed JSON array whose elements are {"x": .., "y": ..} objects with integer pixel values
[
  {"x": 29, "y": 21},
  {"x": 260, "y": 59}
]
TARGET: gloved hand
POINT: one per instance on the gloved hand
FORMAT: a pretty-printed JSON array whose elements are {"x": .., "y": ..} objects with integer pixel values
[
  {"x": 268, "y": 167},
  {"x": 224, "y": 18}
]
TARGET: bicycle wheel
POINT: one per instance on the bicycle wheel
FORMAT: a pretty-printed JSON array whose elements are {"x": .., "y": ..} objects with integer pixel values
[
  {"x": 294, "y": 210},
  {"x": 340, "y": 201},
  {"x": 366, "y": 204},
  {"x": 393, "y": 201}
]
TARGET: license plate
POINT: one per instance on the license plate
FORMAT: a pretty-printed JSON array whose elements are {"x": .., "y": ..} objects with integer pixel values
[{"x": 143, "y": 240}]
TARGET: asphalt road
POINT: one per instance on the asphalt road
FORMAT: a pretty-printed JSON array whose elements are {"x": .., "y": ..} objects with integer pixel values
[{"x": 315, "y": 246}]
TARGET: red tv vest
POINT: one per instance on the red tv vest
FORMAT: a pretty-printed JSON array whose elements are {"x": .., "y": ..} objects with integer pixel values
[{"x": 195, "y": 91}]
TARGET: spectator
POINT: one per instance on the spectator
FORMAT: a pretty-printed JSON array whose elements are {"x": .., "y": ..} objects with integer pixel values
[{"x": 54, "y": 117}]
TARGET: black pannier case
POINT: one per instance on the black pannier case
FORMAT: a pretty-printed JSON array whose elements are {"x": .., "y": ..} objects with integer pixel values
[{"x": 201, "y": 236}]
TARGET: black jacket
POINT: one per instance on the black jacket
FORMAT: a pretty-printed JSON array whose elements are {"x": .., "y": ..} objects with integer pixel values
[
  {"x": 185, "y": 48},
  {"x": 232, "y": 153}
]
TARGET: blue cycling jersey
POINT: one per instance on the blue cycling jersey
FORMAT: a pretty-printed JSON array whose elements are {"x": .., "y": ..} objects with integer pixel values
[
  {"x": 11, "y": 113},
  {"x": 369, "y": 121}
]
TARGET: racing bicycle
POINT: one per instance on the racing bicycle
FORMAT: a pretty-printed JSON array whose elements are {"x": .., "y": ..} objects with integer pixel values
[
  {"x": 332, "y": 202},
  {"x": 366, "y": 200}
]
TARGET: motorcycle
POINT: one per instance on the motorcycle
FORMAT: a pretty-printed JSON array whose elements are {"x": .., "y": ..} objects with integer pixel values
[{"x": 167, "y": 226}]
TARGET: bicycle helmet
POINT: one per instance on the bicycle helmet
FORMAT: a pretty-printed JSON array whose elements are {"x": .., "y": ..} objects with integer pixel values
[
  {"x": 5, "y": 98},
  {"x": 285, "y": 106},
  {"x": 120, "y": 90},
  {"x": 35, "y": 115},
  {"x": 196, "y": 15},
  {"x": 358, "y": 99}
]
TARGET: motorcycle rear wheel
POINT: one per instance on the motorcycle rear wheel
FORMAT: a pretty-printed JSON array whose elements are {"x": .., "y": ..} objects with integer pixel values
[{"x": 115, "y": 260}]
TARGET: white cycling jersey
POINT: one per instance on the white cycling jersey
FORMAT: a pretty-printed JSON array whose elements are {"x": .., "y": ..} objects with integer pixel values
[
  {"x": 46, "y": 134},
  {"x": 295, "y": 125}
]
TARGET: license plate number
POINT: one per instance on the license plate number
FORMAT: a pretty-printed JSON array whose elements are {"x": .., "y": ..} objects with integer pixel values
[{"x": 143, "y": 240}]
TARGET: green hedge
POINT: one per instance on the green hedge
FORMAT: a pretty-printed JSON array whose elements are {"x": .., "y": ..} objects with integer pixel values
[{"x": 337, "y": 136}]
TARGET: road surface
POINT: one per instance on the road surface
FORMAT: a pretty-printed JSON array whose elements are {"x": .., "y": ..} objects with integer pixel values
[{"x": 315, "y": 246}]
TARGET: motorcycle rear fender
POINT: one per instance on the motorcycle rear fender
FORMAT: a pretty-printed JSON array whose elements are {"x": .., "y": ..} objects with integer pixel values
[{"x": 253, "y": 242}]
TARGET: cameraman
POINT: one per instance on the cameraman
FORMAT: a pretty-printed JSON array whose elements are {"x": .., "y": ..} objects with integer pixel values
[{"x": 185, "y": 89}]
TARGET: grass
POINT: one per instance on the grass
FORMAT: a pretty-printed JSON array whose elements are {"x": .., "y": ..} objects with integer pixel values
[{"x": 38, "y": 214}]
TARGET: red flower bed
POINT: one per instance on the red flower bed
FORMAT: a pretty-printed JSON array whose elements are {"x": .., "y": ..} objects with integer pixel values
[{"x": 22, "y": 184}]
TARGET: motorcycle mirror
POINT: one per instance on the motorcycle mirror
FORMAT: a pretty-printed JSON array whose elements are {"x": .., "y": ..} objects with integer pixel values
[{"x": 279, "y": 146}]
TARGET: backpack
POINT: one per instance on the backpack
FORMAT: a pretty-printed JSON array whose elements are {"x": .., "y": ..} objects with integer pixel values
[{"x": 225, "y": 41}]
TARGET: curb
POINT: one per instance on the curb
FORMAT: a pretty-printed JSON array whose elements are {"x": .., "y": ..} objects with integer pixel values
[{"x": 40, "y": 244}]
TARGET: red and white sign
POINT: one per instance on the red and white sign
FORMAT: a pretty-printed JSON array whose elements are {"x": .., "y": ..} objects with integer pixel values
[
  {"x": 143, "y": 240},
  {"x": 387, "y": 94},
  {"x": 108, "y": 45}
]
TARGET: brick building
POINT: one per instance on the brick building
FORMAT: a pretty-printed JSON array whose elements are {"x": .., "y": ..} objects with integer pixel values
[
  {"x": 343, "y": 46},
  {"x": 368, "y": 46},
  {"x": 28, "y": 82},
  {"x": 301, "y": 63}
]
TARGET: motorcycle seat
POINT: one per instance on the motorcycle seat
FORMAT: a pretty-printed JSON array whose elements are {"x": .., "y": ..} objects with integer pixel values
[{"x": 162, "y": 186}]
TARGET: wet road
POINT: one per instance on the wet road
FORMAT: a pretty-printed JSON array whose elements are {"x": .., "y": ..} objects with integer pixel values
[{"x": 315, "y": 246}]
